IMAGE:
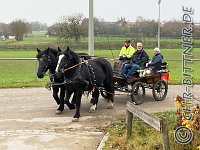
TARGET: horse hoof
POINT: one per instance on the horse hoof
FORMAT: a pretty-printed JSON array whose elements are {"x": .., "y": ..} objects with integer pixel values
[
  {"x": 58, "y": 112},
  {"x": 72, "y": 107},
  {"x": 75, "y": 119},
  {"x": 110, "y": 105},
  {"x": 92, "y": 109}
]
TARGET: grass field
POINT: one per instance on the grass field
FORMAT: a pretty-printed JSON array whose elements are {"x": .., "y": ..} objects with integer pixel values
[
  {"x": 23, "y": 73},
  {"x": 20, "y": 73},
  {"x": 15, "y": 73},
  {"x": 39, "y": 39}
]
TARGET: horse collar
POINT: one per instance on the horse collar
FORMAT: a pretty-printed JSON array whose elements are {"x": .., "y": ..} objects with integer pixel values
[{"x": 77, "y": 75}]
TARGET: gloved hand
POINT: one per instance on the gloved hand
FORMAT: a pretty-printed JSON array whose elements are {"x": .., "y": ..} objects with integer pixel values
[
  {"x": 121, "y": 58},
  {"x": 125, "y": 58}
]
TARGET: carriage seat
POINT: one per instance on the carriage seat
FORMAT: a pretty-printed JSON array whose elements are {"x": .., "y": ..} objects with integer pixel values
[
  {"x": 151, "y": 70},
  {"x": 161, "y": 68},
  {"x": 117, "y": 67}
]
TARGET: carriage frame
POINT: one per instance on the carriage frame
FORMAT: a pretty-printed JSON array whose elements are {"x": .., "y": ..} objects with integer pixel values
[{"x": 142, "y": 79}]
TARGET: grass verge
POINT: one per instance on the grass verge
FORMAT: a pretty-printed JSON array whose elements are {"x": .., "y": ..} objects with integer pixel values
[{"x": 144, "y": 137}]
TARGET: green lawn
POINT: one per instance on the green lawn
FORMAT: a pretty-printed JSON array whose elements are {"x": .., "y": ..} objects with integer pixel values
[
  {"x": 23, "y": 73},
  {"x": 40, "y": 39},
  {"x": 18, "y": 53},
  {"x": 20, "y": 73}
]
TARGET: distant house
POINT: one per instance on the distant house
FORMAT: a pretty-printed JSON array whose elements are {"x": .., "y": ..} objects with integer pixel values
[
  {"x": 2, "y": 37},
  {"x": 11, "y": 37},
  {"x": 132, "y": 24}
]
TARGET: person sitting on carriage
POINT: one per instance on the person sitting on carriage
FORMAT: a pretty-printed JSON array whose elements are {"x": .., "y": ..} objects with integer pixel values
[
  {"x": 126, "y": 51},
  {"x": 124, "y": 56},
  {"x": 138, "y": 60},
  {"x": 156, "y": 62}
]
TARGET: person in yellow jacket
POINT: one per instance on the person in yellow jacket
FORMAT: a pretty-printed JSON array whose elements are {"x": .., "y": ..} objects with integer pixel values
[{"x": 126, "y": 51}]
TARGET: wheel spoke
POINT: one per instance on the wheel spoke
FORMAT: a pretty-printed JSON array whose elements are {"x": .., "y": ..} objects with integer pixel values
[
  {"x": 138, "y": 92},
  {"x": 159, "y": 90},
  {"x": 160, "y": 95},
  {"x": 157, "y": 94}
]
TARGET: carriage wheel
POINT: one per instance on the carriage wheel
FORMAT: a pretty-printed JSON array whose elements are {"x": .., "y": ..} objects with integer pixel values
[
  {"x": 138, "y": 93},
  {"x": 159, "y": 90}
]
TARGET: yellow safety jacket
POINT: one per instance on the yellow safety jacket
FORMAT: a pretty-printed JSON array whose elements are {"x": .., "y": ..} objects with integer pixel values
[{"x": 127, "y": 52}]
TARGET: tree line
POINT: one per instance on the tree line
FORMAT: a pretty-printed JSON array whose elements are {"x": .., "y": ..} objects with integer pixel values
[
  {"x": 19, "y": 28},
  {"x": 76, "y": 26}
]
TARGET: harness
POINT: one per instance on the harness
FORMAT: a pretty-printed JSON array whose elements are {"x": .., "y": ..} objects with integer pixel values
[
  {"x": 77, "y": 78},
  {"x": 53, "y": 77}
]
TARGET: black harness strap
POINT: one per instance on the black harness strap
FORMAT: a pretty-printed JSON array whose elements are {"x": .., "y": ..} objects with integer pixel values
[{"x": 77, "y": 75}]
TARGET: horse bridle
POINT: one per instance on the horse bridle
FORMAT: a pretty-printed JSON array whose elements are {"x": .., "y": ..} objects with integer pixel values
[{"x": 49, "y": 62}]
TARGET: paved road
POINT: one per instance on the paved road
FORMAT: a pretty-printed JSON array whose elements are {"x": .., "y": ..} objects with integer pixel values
[{"x": 28, "y": 120}]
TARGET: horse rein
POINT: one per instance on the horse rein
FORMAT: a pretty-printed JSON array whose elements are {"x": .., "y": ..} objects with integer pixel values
[{"x": 74, "y": 66}]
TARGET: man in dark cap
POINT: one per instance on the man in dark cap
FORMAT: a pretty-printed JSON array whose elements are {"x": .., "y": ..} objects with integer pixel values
[{"x": 126, "y": 51}]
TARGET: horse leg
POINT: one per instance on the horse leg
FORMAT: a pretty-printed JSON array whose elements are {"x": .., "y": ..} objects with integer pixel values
[
  {"x": 67, "y": 97},
  {"x": 94, "y": 100},
  {"x": 55, "y": 94},
  {"x": 110, "y": 95},
  {"x": 62, "y": 96},
  {"x": 110, "y": 101},
  {"x": 73, "y": 100},
  {"x": 78, "y": 95}
]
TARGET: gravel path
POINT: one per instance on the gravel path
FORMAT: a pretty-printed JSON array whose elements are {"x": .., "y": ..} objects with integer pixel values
[{"x": 28, "y": 120}]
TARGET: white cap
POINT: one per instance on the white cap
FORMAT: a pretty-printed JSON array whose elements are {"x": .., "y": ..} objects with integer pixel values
[{"x": 157, "y": 49}]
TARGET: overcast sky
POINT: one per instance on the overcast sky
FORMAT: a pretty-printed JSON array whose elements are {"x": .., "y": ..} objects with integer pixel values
[{"x": 49, "y": 11}]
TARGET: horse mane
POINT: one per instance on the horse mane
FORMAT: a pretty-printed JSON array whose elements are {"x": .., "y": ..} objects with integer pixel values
[
  {"x": 49, "y": 51},
  {"x": 72, "y": 55},
  {"x": 53, "y": 51}
]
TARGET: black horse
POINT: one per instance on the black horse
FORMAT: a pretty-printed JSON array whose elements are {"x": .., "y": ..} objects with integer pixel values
[
  {"x": 48, "y": 59},
  {"x": 86, "y": 76}
]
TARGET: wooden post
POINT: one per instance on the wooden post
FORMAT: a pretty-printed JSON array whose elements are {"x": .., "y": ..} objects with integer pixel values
[
  {"x": 164, "y": 131},
  {"x": 129, "y": 119},
  {"x": 158, "y": 124}
]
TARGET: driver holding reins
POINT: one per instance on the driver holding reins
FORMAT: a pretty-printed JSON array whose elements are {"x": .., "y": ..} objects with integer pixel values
[{"x": 126, "y": 51}]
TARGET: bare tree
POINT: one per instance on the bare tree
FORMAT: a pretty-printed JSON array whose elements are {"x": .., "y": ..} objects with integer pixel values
[
  {"x": 71, "y": 27},
  {"x": 98, "y": 26},
  {"x": 172, "y": 29},
  {"x": 20, "y": 27},
  {"x": 37, "y": 26},
  {"x": 4, "y": 30},
  {"x": 54, "y": 30}
]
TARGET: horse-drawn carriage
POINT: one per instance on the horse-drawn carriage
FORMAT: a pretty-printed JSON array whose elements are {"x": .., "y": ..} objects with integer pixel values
[
  {"x": 157, "y": 80},
  {"x": 72, "y": 75}
]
